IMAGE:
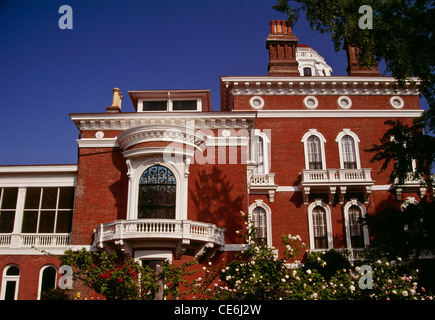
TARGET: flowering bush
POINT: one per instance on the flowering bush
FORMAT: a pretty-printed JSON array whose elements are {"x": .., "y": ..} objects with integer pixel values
[
  {"x": 111, "y": 275},
  {"x": 258, "y": 273},
  {"x": 121, "y": 278}
]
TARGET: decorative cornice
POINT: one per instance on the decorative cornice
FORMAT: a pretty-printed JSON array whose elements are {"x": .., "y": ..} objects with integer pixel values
[
  {"x": 200, "y": 120},
  {"x": 327, "y": 85},
  {"x": 339, "y": 113},
  {"x": 171, "y": 133}
]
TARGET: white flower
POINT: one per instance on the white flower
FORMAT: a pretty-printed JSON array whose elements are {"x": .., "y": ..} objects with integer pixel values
[
  {"x": 357, "y": 269},
  {"x": 308, "y": 271},
  {"x": 412, "y": 291},
  {"x": 352, "y": 288},
  {"x": 314, "y": 296},
  {"x": 405, "y": 293},
  {"x": 282, "y": 280}
]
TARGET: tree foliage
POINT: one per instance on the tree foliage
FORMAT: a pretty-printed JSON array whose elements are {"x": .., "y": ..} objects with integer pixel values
[{"x": 411, "y": 152}]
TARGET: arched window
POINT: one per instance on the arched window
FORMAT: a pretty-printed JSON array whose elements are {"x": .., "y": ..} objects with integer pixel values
[
  {"x": 157, "y": 193},
  {"x": 348, "y": 152},
  {"x": 319, "y": 219},
  {"x": 47, "y": 279},
  {"x": 314, "y": 153},
  {"x": 260, "y": 215},
  {"x": 258, "y": 154},
  {"x": 260, "y": 224},
  {"x": 320, "y": 229},
  {"x": 356, "y": 227},
  {"x": 357, "y": 236},
  {"x": 314, "y": 148},
  {"x": 11, "y": 279},
  {"x": 307, "y": 71},
  {"x": 348, "y": 149}
]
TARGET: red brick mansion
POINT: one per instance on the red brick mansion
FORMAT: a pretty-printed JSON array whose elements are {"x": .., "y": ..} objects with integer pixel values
[{"x": 169, "y": 180}]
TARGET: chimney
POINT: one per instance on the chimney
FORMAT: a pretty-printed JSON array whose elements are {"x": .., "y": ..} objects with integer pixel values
[
  {"x": 281, "y": 43},
  {"x": 116, "y": 102},
  {"x": 353, "y": 66}
]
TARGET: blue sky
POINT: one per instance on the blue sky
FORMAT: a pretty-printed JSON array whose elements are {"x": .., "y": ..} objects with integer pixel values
[{"x": 47, "y": 73}]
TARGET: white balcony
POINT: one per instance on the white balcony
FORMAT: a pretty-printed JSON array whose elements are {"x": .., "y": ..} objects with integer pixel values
[
  {"x": 35, "y": 240},
  {"x": 333, "y": 180},
  {"x": 263, "y": 184},
  {"x": 196, "y": 237},
  {"x": 412, "y": 183}
]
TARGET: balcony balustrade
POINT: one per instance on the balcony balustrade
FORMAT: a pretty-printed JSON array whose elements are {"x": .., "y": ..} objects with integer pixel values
[
  {"x": 412, "y": 183},
  {"x": 36, "y": 240},
  {"x": 184, "y": 234},
  {"x": 318, "y": 181},
  {"x": 263, "y": 184}
]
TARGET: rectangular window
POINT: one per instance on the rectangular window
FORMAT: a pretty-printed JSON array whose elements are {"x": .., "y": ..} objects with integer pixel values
[
  {"x": 48, "y": 210},
  {"x": 179, "y": 105},
  {"x": 155, "y": 105},
  {"x": 8, "y": 204}
]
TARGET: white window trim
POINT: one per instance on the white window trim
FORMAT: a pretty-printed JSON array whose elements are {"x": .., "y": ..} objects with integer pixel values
[
  {"x": 260, "y": 203},
  {"x": 164, "y": 255},
  {"x": 356, "y": 141},
  {"x": 6, "y": 279},
  {"x": 41, "y": 271},
  {"x": 319, "y": 202},
  {"x": 136, "y": 167},
  {"x": 347, "y": 206},
  {"x": 266, "y": 149},
  {"x": 314, "y": 132}
]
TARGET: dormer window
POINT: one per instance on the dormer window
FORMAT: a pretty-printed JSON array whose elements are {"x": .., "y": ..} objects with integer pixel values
[
  {"x": 171, "y": 105},
  {"x": 154, "y": 105},
  {"x": 171, "y": 100},
  {"x": 307, "y": 72}
]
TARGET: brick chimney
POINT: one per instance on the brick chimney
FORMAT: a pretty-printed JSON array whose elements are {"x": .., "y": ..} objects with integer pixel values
[
  {"x": 116, "y": 102},
  {"x": 281, "y": 43},
  {"x": 353, "y": 66}
]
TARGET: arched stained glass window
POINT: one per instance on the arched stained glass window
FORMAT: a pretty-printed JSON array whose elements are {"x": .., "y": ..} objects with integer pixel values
[{"x": 157, "y": 194}]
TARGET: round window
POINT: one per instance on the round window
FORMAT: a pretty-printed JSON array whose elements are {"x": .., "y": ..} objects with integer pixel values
[
  {"x": 344, "y": 102},
  {"x": 396, "y": 102},
  {"x": 311, "y": 102},
  {"x": 256, "y": 102}
]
